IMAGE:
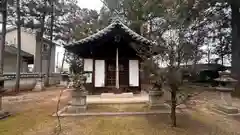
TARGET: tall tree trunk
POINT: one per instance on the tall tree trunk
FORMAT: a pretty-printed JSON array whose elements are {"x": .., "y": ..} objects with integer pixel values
[
  {"x": 3, "y": 10},
  {"x": 50, "y": 47},
  {"x": 235, "y": 40},
  {"x": 17, "y": 85},
  {"x": 40, "y": 39}
]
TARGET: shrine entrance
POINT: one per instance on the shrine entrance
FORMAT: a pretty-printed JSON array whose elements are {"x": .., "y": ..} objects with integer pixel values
[
  {"x": 111, "y": 73},
  {"x": 111, "y": 60}
]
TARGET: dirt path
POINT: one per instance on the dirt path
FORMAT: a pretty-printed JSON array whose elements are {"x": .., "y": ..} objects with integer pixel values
[{"x": 30, "y": 100}]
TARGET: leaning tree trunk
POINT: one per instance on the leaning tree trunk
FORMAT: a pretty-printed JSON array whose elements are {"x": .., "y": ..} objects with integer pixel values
[
  {"x": 17, "y": 85},
  {"x": 46, "y": 83},
  {"x": 3, "y": 10}
]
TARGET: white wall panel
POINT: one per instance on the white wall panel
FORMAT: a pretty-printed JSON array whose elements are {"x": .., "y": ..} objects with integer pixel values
[
  {"x": 133, "y": 73},
  {"x": 88, "y": 64},
  {"x": 99, "y": 73}
]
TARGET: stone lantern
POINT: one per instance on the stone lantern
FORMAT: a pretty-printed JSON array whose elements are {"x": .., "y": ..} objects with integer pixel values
[
  {"x": 226, "y": 87},
  {"x": 155, "y": 94}
]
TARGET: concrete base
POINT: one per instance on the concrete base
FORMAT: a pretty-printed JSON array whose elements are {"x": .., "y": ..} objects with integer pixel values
[
  {"x": 227, "y": 109},
  {"x": 112, "y": 95}
]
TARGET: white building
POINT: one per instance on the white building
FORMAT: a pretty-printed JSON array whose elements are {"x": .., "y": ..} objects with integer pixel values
[{"x": 31, "y": 48}]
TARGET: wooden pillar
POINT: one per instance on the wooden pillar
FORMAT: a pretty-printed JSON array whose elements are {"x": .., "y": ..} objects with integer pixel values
[{"x": 117, "y": 70}]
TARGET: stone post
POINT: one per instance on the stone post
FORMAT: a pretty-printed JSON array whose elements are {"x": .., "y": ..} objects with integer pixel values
[
  {"x": 155, "y": 96},
  {"x": 78, "y": 103},
  {"x": 39, "y": 84}
]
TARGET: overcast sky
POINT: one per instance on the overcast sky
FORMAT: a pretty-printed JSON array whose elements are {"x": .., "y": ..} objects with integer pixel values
[{"x": 91, "y": 4}]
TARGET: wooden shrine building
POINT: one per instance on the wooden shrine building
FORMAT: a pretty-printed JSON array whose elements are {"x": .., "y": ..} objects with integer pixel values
[{"x": 110, "y": 58}]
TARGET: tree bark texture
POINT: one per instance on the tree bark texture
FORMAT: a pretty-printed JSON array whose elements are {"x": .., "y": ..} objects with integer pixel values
[
  {"x": 17, "y": 85},
  {"x": 46, "y": 83},
  {"x": 173, "y": 106},
  {"x": 3, "y": 10},
  {"x": 235, "y": 40}
]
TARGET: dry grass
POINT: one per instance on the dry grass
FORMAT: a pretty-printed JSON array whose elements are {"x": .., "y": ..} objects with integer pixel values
[
  {"x": 39, "y": 122},
  {"x": 130, "y": 125},
  {"x": 18, "y": 123},
  {"x": 34, "y": 119}
]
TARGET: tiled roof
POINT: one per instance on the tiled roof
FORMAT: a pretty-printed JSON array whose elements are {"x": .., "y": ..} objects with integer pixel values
[
  {"x": 13, "y": 50},
  {"x": 109, "y": 28}
]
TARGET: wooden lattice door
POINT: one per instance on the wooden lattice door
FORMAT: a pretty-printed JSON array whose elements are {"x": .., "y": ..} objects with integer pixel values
[
  {"x": 123, "y": 73},
  {"x": 110, "y": 72}
]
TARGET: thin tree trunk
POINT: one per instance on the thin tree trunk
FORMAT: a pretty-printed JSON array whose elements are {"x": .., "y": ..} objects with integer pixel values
[
  {"x": 208, "y": 55},
  {"x": 173, "y": 106},
  {"x": 17, "y": 85},
  {"x": 150, "y": 28},
  {"x": 3, "y": 10},
  {"x": 174, "y": 88},
  {"x": 50, "y": 47},
  {"x": 222, "y": 59},
  {"x": 63, "y": 60}
]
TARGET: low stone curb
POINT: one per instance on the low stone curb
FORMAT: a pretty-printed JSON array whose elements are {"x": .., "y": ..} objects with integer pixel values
[
  {"x": 4, "y": 115},
  {"x": 221, "y": 112},
  {"x": 113, "y": 113},
  {"x": 115, "y": 102},
  {"x": 61, "y": 114}
]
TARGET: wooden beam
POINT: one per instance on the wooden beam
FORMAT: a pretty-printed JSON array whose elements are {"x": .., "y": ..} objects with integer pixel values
[{"x": 117, "y": 70}]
